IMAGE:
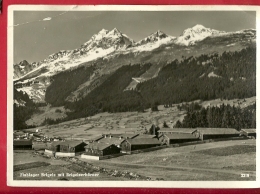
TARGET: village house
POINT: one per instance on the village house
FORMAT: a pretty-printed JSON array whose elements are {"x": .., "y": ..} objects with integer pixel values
[
  {"x": 215, "y": 133},
  {"x": 138, "y": 143},
  {"x": 54, "y": 146},
  {"x": 19, "y": 134},
  {"x": 72, "y": 146},
  {"x": 248, "y": 132},
  {"x": 109, "y": 139},
  {"x": 177, "y": 138},
  {"x": 101, "y": 149},
  {"x": 115, "y": 139},
  {"x": 22, "y": 144}
]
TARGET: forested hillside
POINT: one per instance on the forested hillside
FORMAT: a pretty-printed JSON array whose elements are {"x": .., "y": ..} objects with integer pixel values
[
  {"x": 110, "y": 96},
  {"x": 224, "y": 116},
  {"x": 23, "y": 109},
  {"x": 231, "y": 75},
  {"x": 66, "y": 82},
  {"x": 227, "y": 76}
]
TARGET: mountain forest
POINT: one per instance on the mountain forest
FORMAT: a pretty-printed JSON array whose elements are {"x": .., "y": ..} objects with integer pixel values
[
  {"x": 224, "y": 116},
  {"x": 226, "y": 76}
]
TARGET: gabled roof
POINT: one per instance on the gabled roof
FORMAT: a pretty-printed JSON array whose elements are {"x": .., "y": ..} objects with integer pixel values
[
  {"x": 178, "y": 130},
  {"x": 23, "y": 142},
  {"x": 98, "y": 145},
  {"x": 249, "y": 130},
  {"x": 112, "y": 140},
  {"x": 217, "y": 131},
  {"x": 144, "y": 141},
  {"x": 98, "y": 138},
  {"x": 180, "y": 136},
  {"x": 72, "y": 143}
]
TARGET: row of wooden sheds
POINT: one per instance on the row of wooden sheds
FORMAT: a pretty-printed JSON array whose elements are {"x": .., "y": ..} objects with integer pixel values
[
  {"x": 180, "y": 135},
  {"x": 126, "y": 143}
]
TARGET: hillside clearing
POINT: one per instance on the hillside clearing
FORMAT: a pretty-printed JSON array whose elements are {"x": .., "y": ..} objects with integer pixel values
[{"x": 125, "y": 122}]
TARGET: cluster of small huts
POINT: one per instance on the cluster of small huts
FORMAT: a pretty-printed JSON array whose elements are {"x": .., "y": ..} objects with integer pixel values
[{"x": 111, "y": 144}]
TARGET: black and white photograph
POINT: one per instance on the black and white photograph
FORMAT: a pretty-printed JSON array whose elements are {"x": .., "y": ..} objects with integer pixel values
[{"x": 123, "y": 96}]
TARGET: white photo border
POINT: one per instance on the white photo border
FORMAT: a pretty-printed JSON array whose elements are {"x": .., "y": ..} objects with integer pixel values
[{"x": 121, "y": 184}]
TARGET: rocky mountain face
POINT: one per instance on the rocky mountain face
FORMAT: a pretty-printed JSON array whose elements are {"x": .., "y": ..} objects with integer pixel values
[
  {"x": 106, "y": 39},
  {"x": 22, "y": 68},
  {"x": 109, "y": 50}
]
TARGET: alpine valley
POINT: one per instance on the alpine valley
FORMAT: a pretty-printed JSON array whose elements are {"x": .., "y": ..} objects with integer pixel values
[{"x": 113, "y": 73}]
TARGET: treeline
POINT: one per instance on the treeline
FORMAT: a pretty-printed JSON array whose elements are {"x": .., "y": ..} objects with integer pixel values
[
  {"x": 228, "y": 76},
  {"x": 224, "y": 116},
  {"x": 49, "y": 121}
]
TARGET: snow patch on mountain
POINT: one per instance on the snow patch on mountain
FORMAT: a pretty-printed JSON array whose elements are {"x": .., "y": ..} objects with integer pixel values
[
  {"x": 202, "y": 75},
  {"x": 19, "y": 102},
  {"x": 233, "y": 44},
  {"x": 212, "y": 74},
  {"x": 35, "y": 94}
]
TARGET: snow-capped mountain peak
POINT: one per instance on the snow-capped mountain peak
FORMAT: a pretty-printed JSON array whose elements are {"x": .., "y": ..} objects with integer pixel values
[
  {"x": 198, "y": 27},
  {"x": 195, "y": 34},
  {"x": 154, "y": 37},
  {"x": 106, "y": 39},
  {"x": 114, "y": 45},
  {"x": 99, "y": 35},
  {"x": 115, "y": 31}
]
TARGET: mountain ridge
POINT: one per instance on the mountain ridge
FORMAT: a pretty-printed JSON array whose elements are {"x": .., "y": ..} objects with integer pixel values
[
  {"x": 109, "y": 50},
  {"x": 106, "y": 40}
]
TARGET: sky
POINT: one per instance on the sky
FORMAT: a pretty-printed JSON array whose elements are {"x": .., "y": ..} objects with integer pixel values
[{"x": 37, "y": 34}]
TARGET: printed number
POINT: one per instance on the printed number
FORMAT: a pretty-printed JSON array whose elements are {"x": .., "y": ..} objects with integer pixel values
[{"x": 244, "y": 175}]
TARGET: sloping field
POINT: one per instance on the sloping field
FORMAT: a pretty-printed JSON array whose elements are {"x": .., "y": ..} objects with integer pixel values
[
  {"x": 194, "y": 162},
  {"x": 126, "y": 122}
]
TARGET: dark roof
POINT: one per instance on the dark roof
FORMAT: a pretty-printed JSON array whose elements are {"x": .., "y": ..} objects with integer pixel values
[
  {"x": 124, "y": 135},
  {"x": 144, "y": 141},
  {"x": 23, "y": 142},
  {"x": 178, "y": 130},
  {"x": 72, "y": 143},
  {"x": 144, "y": 136},
  {"x": 180, "y": 136},
  {"x": 217, "y": 131},
  {"x": 249, "y": 130},
  {"x": 98, "y": 146}
]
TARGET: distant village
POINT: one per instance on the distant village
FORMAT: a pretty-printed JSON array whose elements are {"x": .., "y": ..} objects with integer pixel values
[{"x": 110, "y": 145}]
